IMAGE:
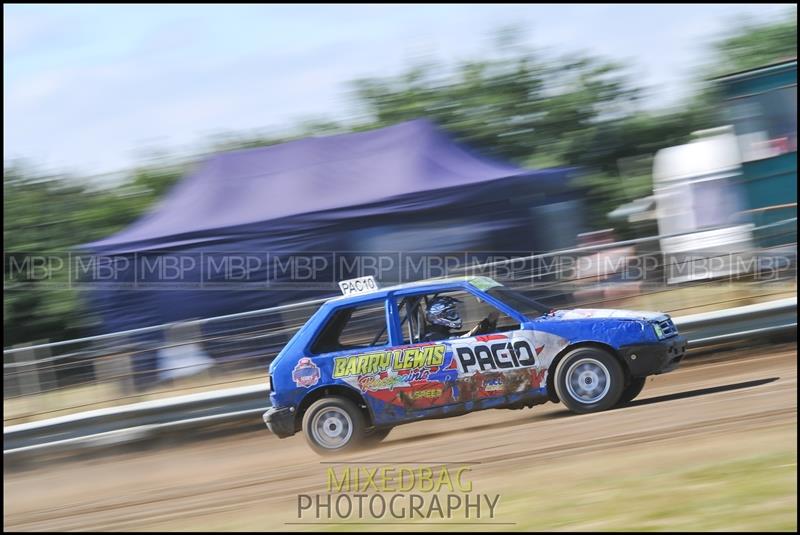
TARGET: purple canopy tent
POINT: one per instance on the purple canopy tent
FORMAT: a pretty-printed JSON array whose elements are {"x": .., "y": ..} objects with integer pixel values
[{"x": 404, "y": 187}]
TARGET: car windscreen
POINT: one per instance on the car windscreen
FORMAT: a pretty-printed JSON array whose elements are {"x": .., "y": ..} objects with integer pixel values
[{"x": 519, "y": 302}]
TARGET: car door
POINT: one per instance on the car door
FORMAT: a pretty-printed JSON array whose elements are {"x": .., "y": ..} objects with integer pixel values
[
  {"x": 353, "y": 344},
  {"x": 396, "y": 379},
  {"x": 505, "y": 365},
  {"x": 355, "y": 348}
]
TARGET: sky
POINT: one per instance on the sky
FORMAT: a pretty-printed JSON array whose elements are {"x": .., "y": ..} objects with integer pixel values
[{"x": 93, "y": 89}]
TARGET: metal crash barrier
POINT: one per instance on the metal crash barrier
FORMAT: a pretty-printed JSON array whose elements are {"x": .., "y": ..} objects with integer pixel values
[{"x": 138, "y": 421}]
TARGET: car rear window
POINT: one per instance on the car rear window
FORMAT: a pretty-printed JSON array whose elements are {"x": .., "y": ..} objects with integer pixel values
[{"x": 353, "y": 327}]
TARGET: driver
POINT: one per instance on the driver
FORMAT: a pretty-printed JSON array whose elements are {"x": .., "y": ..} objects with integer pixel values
[{"x": 442, "y": 315}]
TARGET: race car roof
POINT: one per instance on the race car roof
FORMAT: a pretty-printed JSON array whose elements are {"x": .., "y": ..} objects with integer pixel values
[
  {"x": 424, "y": 285},
  {"x": 334, "y": 178}
]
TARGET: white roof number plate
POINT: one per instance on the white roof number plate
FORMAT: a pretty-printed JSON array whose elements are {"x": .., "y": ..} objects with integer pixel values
[{"x": 361, "y": 285}]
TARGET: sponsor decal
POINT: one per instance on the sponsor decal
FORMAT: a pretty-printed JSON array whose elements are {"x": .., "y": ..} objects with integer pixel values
[
  {"x": 429, "y": 393},
  {"x": 538, "y": 377},
  {"x": 496, "y": 356},
  {"x": 490, "y": 337},
  {"x": 409, "y": 358},
  {"x": 389, "y": 381},
  {"x": 381, "y": 381},
  {"x": 423, "y": 376},
  {"x": 484, "y": 283},
  {"x": 494, "y": 385},
  {"x": 305, "y": 373}
]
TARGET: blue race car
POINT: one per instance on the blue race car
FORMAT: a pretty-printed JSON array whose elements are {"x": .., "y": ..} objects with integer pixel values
[{"x": 376, "y": 358}]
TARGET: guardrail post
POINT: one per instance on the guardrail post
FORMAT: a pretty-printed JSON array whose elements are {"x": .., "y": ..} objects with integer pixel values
[
  {"x": 46, "y": 375},
  {"x": 27, "y": 377},
  {"x": 125, "y": 370},
  {"x": 116, "y": 369},
  {"x": 29, "y": 382},
  {"x": 10, "y": 382},
  {"x": 182, "y": 354}
]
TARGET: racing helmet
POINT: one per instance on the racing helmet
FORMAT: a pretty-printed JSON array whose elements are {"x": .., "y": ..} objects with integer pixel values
[{"x": 442, "y": 311}]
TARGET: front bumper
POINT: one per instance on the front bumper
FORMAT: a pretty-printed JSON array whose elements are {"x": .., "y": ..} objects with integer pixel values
[
  {"x": 654, "y": 358},
  {"x": 280, "y": 421}
]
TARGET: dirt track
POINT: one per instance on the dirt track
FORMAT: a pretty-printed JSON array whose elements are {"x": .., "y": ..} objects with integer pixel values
[{"x": 714, "y": 407}]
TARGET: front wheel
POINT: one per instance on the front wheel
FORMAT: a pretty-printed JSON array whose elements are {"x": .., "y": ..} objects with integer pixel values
[
  {"x": 334, "y": 425},
  {"x": 375, "y": 435},
  {"x": 632, "y": 390},
  {"x": 589, "y": 379}
]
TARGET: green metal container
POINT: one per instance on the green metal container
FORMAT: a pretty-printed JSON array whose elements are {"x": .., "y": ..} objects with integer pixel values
[{"x": 761, "y": 103}]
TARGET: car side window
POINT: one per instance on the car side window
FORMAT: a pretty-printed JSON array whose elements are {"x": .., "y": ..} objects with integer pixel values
[
  {"x": 476, "y": 315},
  {"x": 353, "y": 327}
]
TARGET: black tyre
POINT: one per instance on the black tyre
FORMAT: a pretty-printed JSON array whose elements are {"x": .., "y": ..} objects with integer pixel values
[
  {"x": 589, "y": 379},
  {"x": 376, "y": 434},
  {"x": 632, "y": 390},
  {"x": 334, "y": 425}
]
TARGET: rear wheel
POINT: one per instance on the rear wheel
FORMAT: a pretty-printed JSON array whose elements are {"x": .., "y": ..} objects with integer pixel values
[
  {"x": 333, "y": 425},
  {"x": 589, "y": 379},
  {"x": 632, "y": 390}
]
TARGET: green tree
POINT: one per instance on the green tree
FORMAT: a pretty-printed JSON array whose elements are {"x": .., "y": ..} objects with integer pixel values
[
  {"x": 748, "y": 45},
  {"x": 47, "y": 217},
  {"x": 518, "y": 107}
]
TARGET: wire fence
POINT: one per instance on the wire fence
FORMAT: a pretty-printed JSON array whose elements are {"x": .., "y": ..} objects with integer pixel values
[{"x": 46, "y": 378}]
